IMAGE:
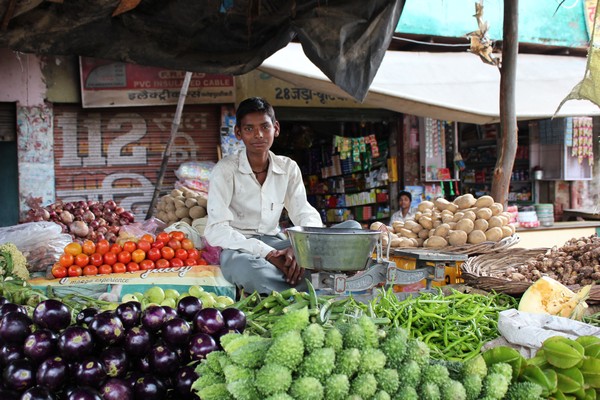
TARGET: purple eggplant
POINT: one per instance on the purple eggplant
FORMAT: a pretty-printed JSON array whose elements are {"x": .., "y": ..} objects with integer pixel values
[
  {"x": 200, "y": 345},
  {"x": 107, "y": 328},
  {"x": 153, "y": 318},
  {"x": 163, "y": 360},
  {"x": 75, "y": 342},
  {"x": 84, "y": 393},
  {"x": 15, "y": 327},
  {"x": 129, "y": 314},
  {"x": 18, "y": 375},
  {"x": 89, "y": 372},
  {"x": 188, "y": 306},
  {"x": 52, "y": 314},
  {"x": 11, "y": 307},
  {"x": 142, "y": 365},
  {"x": 37, "y": 393},
  {"x": 171, "y": 313},
  {"x": 138, "y": 341},
  {"x": 184, "y": 378},
  {"x": 10, "y": 352},
  {"x": 9, "y": 394},
  {"x": 40, "y": 345},
  {"x": 52, "y": 373},
  {"x": 234, "y": 319},
  {"x": 115, "y": 362},
  {"x": 116, "y": 389},
  {"x": 149, "y": 387},
  {"x": 85, "y": 316},
  {"x": 209, "y": 321},
  {"x": 176, "y": 331}
]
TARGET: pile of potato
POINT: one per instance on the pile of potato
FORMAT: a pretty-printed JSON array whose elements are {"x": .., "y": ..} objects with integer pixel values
[
  {"x": 181, "y": 205},
  {"x": 441, "y": 223}
]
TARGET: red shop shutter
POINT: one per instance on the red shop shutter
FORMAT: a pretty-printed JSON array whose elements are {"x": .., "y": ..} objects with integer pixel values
[{"x": 105, "y": 154}]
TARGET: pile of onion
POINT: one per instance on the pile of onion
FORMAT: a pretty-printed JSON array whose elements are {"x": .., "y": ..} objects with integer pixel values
[{"x": 92, "y": 220}]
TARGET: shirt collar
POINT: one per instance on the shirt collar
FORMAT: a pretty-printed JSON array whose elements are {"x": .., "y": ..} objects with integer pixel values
[{"x": 275, "y": 163}]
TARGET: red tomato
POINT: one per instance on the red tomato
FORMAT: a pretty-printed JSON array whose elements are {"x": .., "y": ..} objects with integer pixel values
[
  {"x": 158, "y": 245},
  {"x": 66, "y": 259},
  {"x": 90, "y": 270},
  {"x": 73, "y": 248},
  {"x": 105, "y": 269},
  {"x": 187, "y": 244},
  {"x": 146, "y": 264},
  {"x": 58, "y": 271},
  {"x": 133, "y": 266},
  {"x": 74, "y": 270},
  {"x": 110, "y": 258},
  {"x": 162, "y": 263},
  {"x": 82, "y": 260},
  {"x": 103, "y": 246},
  {"x": 88, "y": 247},
  {"x": 177, "y": 235},
  {"x": 124, "y": 257},
  {"x": 182, "y": 254},
  {"x": 194, "y": 254},
  {"x": 129, "y": 246},
  {"x": 153, "y": 254},
  {"x": 147, "y": 237},
  {"x": 144, "y": 245},
  {"x": 176, "y": 263},
  {"x": 167, "y": 252},
  {"x": 119, "y": 268},
  {"x": 115, "y": 248},
  {"x": 162, "y": 237},
  {"x": 174, "y": 244},
  {"x": 138, "y": 255},
  {"x": 201, "y": 261},
  {"x": 190, "y": 262},
  {"x": 96, "y": 259}
]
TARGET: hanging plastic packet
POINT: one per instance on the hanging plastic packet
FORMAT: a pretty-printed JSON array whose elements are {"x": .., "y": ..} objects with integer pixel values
[{"x": 459, "y": 162}]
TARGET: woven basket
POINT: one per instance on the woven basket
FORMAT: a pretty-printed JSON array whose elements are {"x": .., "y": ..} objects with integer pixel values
[{"x": 474, "y": 249}]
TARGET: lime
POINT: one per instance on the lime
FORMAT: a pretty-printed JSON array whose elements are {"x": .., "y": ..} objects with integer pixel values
[
  {"x": 207, "y": 300},
  {"x": 169, "y": 301},
  {"x": 226, "y": 300},
  {"x": 155, "y": 294},
  {"x": 219, "y": 306},
  {"x": 129, "y": 297},
  {"x": 195, "y": 290},
  {"x": 171, "y": 294},
  {"x": 184, "y": 294},
  {"x": 139, "y": 296}
]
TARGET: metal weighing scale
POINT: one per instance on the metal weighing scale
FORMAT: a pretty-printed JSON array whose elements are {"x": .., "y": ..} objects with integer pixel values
[{"x": 343, "y": 263}]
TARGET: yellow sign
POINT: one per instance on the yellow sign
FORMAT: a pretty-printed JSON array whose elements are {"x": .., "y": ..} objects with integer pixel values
[{"x": 283, "y": 94}]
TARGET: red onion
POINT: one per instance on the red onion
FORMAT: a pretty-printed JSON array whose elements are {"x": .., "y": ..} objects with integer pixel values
[
  {"x": 79, "y": 228},
  {"x": 119, "y": 210},
  {"x": 88, "y": 216},
  {"x": 110, "y": 205},
  {"x": 91, "y": 203},
  {"x": 123, "y": 221},
  {"x": 78, "y": 212},
  {"x": 100, "y": 236},
  {"x": 113, "y": 229},
  {"x": 94, "y": 225},
  {"x": 53, "y": 215},
  {"x": 102, "y": 229},
  {"x": 66, "y": 217},
  {"x": 102, "y": 222},
  {"x": 128, "y": 215},
  {"x": 82, "y": 204},
  {"x": 97, "y": 210},
  {"x": 69, "y": 206},
  {"x": 111, "y": 237}
]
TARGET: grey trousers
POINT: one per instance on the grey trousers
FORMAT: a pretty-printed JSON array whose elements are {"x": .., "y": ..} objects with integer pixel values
[{"x": 254, "y": 273}]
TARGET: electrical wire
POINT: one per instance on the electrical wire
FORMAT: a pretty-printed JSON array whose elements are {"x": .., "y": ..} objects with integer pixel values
[{"x": 432, "y": 44}]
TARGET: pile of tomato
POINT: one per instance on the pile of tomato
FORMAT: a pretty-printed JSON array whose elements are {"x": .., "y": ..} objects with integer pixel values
[{"x": 166, "y": 250}]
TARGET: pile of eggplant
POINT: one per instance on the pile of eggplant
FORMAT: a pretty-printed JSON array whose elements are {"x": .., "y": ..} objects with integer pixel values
[{"x": 129, "y": 353}]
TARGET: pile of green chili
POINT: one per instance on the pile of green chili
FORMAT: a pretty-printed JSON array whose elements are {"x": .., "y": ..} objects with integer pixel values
[{"x": 454, "y": 326}]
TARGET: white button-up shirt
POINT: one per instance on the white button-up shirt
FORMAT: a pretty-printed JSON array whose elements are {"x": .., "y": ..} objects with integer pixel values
[{"x": 239, "y": 207}]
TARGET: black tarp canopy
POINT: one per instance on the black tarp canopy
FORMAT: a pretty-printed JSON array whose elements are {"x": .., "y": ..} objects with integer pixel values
[{"x": 345, "y": 39}]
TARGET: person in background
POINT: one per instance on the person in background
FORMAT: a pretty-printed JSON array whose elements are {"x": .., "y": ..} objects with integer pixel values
[
  {"x": 406, "y": 212},
  {"x": 247, "y": 193}
]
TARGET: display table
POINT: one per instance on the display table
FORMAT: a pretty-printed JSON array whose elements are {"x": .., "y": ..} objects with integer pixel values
[
  {"x": 570, "y": 214},
  {"x": 556, "y": 235}
]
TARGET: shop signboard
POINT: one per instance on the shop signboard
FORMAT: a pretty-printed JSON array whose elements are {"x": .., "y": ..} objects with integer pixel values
[{"x": 107, "y": 83}]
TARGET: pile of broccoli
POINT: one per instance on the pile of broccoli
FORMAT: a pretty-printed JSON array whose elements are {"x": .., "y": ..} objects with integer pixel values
[{"x": 351, "y": 360}]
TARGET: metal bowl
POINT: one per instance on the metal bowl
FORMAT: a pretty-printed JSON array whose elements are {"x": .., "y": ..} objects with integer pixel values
[{"x": 333, "y": 249}]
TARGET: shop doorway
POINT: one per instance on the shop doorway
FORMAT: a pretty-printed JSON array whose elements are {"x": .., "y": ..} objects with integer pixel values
[{"x": 9, "y": 176}]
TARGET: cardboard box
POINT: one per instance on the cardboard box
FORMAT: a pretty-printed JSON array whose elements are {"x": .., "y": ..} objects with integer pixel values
[{"x": 113, "y": 286}]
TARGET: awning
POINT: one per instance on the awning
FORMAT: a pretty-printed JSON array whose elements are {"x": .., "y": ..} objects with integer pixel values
[{"x": 450, "y": 86}]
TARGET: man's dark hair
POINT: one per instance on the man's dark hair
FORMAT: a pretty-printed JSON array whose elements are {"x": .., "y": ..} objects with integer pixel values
[
  {"x": 405, "y": 193},
  {"x": 252, "y": 105}
]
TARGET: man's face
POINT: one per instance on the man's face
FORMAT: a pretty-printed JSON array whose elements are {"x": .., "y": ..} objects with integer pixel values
[
  {"x": 257, "y": 131},
  {"x": 404, "y": 202}
]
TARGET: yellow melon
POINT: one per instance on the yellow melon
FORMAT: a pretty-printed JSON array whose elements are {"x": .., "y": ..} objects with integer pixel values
[{"x": 548, "y": 296}]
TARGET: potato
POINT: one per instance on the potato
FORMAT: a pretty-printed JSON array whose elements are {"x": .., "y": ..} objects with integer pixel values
[
  {"x": 182, "y": 212},
  {"x": 496, "y": 208},
  {"x": 420, "y": 242},
  {"x": 504, "y": 219},
  {"x": 202, "y": 201},
  {"x": 452, "y": 207},
  {"x": 182, "y": 198},
  {"x": 396, "y": 242},
  {"x": 476, "y": 237},
  {"x": 441, "y": 203},
  {"x": 512, "y": 228},
  {"x": 170, "y": 207},
  {"x": 437, "y": 223},
  {"x": 480, "y": 225},
  {"x": 407, "y": 233},
  {"x": 466, "y": 225},
  {"x": 191, "y": 202},
  {"x": 442, "y": 230},
  {"x": 179, "y": 203},
  {"x": 397, "y": 225},
  {"x": 197, "y": 212},
  {"x": 447, "y": 218},
  {"x": 493, "y": 234},
  {"x": 188, "y": 194},
  {"x": 484, "y": 213},
  {"x": 458, "y": 216},
  {"x": 375, "y": 225},
  {"x": 163, "y": 216},
  {"x": 418, "y": 215},
  {"x": 451, "y": 224},
  {"x": 423, "y": 233},
  {"x": 435, "y": 242},
  {"x": 457, "y": 238},
  {"x": 425, "y": 205},
  {"x": 176, "y": 193},
  {"x": 426, "y": 222},
  {"x": 495, "y": 221},
  {"x": 413, "y": 226},
  {"x": 171, "y": 216},
  {"x": 506, "y": 231},
  {"x": 413, "y": 242},
  {"x": 484, "y": 201},
  {"x": 470, "y": 215},
  {"x": 431, "y": 232},
  {"x": 465, "y": 201},
  {"x": 187, "y": 220}
]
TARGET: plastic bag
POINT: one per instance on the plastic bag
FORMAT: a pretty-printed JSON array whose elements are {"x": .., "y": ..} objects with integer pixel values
[
  {"x": 212, "y": 254},
  {"x": 194, "y": 170},
  {"x": 190, "y": 232},
  {"x": 526, "y": 331},
  {"x": 42, "y": 243},
  {"x": 137, "y": 229}
]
